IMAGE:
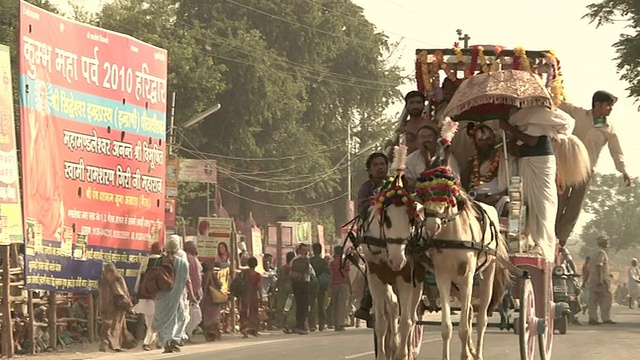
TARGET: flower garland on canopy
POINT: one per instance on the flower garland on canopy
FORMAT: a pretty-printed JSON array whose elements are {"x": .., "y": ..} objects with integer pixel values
[
  {"x": 423, "y": 59},
  {"x": 483, "y": 60},
  {"x": 397, "y": 195},
  {"x": 460, "y": 56},
  {"x": 554, "y": 79},
  {"x": 438, "y": 188},
  {"x": 520, "y": 57},
  {"x": 496, "y": 63}
]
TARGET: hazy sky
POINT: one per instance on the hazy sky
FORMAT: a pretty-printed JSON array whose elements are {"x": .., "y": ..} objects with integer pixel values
[{"x": 586, "y": 53}]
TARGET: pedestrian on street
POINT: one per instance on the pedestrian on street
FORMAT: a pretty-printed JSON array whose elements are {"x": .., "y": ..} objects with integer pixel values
[
  {"x": 284, "y": 318},
  {"x": 600, "y": 292},
  {"x": 211, "y": 306},
  {"x": 147, "y": 307},
  {"x": 195, "y": 277},
  {"x": 115, "y": 303},
  {"x": 318, "y": 314},
  {"x": 584, "y": 296},
  {"x": 170, "y": 320},
  {"x": 250, "y": 302},
  {"x": 633, "y": 283},
  {"x": 340, "y": 289},
  {"x": 300, "y": 275}
]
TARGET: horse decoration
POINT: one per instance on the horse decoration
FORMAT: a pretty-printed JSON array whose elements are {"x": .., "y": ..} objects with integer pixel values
[
  {"x": 462, "y": 241},
  {"x": 387, "y": 233}
]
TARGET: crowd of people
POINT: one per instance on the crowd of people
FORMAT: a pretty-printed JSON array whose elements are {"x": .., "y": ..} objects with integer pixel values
[
  {"x": 310, "y": 292},
  {"x": 168, "y": 316},
  {"x": 313, "y": 293}
]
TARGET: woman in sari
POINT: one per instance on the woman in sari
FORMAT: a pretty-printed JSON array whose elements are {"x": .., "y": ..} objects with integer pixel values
[
  {"x": 285, "y": 318},
  {"x": 170, "y": 318},
  {"x": 250, "y": 302},
  {"x": 115, "y": 303},
  {"x": 145, "y": 306},
  {"x": 210, "y": 309},
  {"x": 188, "y": 298}
]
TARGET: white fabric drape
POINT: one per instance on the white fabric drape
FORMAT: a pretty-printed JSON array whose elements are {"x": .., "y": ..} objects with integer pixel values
[
  {"x": 540, "y": 120},
  {"x": 540, "y": 194}
]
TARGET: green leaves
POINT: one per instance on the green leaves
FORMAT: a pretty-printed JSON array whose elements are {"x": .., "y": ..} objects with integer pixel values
[
  {"x": 291, "y": 75},
  {"x": 628, "y": 46},
  {"x": 614, "y": 209}
]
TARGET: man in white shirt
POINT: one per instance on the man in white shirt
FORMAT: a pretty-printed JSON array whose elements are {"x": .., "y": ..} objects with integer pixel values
[
  {"x": 633, "y": 283},
  {"x": 595, "y": 131},
  {"x": 425, "y": 158}
]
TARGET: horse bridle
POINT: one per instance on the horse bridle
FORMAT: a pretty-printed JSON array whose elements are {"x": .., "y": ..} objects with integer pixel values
[
  {"x": 431, "y": 242},
  {"x": 384, "y": 241}
]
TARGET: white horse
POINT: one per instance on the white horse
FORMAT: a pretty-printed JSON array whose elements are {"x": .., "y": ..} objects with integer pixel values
[
  {"x": 386, "y": 236},
  {"x": 462, "y": 239}
]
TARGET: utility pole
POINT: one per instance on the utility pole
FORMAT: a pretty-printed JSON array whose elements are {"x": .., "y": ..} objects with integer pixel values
[
  {"x": 464, "y": 38},
  {"x": 349, "y": 169},
  {"x": 172, "y": 135}
]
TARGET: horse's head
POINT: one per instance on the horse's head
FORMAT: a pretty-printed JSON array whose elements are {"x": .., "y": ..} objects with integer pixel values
[
  {"x": 441, "y": 197},
  {"x": 392, "y": 214}
]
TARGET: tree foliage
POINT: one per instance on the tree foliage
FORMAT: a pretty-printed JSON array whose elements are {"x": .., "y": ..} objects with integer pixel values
[
  {"x": 614, "y": 209},
  {"x": 290, "y": 75},
  {"x": 628, "y": 45}
]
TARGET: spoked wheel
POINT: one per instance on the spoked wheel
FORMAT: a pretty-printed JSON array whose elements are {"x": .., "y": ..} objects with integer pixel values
[
  {"x": 545, "y": 340},
  {"x": 526, "y": 321},
  {"x": 416, "y": 338}
]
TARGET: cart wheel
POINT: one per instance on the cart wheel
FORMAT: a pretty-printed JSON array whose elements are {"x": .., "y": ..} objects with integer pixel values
[
  {"x": 416, "y": 339},
  {"x": 545, "y": 340},
  {"x": 527, "y": 314},
  {"x": 563, "y": 323}
]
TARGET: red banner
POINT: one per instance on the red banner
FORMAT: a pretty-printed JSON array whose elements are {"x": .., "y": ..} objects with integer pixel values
[{"x": 92, "y": 108}]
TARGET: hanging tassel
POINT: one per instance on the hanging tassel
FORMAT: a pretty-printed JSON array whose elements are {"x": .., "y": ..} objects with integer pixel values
[
  {"x": 448, "y": 131},
  {"x": 399, "y": 159}
]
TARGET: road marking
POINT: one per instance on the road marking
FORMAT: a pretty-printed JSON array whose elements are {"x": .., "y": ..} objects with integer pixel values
[{"x": 372, "y": 352}]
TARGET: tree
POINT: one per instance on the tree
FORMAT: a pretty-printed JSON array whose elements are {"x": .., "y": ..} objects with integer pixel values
[
  {"x": 628, "y": 45},
  {"x": 614, "y": 209},
  {"x": 290, "y": 75},
  {"x": 335, "y": 54}
]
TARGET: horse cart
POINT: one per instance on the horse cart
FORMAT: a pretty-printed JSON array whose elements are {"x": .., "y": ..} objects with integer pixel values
[{"x": 499, "y": 266}]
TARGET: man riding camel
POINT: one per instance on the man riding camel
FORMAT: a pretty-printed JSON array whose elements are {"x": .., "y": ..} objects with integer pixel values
[
  {"x": 595, "y": 131},
  {"x": 485, "y": 174}
]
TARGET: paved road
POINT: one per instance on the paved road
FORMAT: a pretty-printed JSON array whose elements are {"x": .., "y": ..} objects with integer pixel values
[{"x": 620, "y": 342}]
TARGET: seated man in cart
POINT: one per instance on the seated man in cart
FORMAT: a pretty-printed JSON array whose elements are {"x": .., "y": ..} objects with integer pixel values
[
  {"x": 485, "y": 176},
  {"x": 427, "y": 156}
]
